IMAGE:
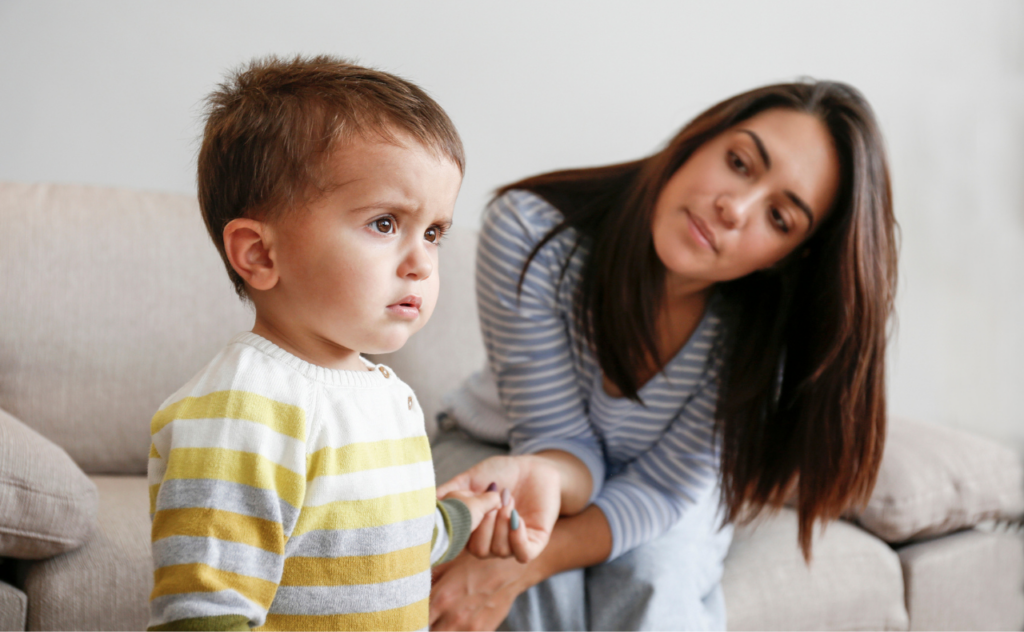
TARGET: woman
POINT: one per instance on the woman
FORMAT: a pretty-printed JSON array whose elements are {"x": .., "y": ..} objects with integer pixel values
[{"x": 688, "y": 339}]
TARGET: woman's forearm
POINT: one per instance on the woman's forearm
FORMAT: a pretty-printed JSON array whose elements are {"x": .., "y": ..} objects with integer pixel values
[
  {"x": 576, "y": 542},
  {"x": 575, "y": 478}
]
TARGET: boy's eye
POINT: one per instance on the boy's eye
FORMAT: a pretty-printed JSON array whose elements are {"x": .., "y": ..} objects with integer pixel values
[
  {"x": 384, "y": 225},
  {"x": 779, "y": 220},
  {"x": 434, "y": 235}
]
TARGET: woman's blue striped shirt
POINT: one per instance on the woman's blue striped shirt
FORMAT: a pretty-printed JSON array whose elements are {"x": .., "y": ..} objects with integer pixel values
[{"x": 648, "y": 462}]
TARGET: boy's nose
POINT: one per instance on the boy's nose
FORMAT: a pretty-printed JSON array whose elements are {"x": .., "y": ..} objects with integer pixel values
[{"x": 417, "y": 263}]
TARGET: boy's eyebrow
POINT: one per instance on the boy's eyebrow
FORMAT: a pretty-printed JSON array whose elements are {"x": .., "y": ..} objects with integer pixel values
[
  {"x": 394, "y": 205},
  {"x": 398, "y": 207}
]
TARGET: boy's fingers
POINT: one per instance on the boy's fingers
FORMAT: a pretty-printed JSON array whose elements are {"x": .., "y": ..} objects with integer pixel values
[
  {"x": 478, "y": 504},
  {"x": 481, "y": 504},
  {"x": 480, "y": 542}
]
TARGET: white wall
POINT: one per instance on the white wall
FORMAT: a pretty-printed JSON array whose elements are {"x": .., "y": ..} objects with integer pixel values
[{"x": 110, "y": 93}]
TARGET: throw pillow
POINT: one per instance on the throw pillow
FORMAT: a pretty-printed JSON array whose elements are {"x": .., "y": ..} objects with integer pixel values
[
  {"x": 47, "y": 504},
  {"x": 934, "y": 480}
]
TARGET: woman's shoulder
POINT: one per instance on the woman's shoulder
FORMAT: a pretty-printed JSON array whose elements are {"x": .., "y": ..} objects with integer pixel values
[{"x": 522, "y": 213}]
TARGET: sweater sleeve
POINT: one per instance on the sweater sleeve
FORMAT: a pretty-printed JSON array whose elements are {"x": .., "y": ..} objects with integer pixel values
[
  {"x": 227, "y": 479},
  {"x": 526, "y": 335},
  {"x": 652, "y": 492},
  {"x": 453, "y": 525}
]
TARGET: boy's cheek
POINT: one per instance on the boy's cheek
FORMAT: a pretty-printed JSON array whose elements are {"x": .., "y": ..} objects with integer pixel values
[{"x": 429, "y": 303}]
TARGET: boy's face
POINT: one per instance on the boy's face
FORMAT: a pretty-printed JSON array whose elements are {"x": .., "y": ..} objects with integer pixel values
[{"x": 359, "y": 268}]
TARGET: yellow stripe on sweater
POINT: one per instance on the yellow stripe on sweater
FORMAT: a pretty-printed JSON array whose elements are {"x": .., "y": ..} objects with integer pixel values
[
  {"x": 357, "y": 457},
  {"x": 153, "y": 491},
  {"x": 353, "y": 570},
  {"x": 375, "y": 512},
  {"x": 202, "y": 522},
  {"x": 415, "y": 616},
  {"x": 200, "y": 578},
  {"x": 234, "y": 466},
  {"x": 283, "y": 418}
]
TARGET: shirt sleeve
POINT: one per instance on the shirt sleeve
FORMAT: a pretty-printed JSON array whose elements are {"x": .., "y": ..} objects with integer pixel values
[
  {"x": 227, "y": 478},
  {"x": 652, "y": 492},
  {"x": 527, "y": 336}
]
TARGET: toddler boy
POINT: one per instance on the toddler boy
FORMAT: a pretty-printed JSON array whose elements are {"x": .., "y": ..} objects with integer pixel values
[{"x": 291, "y": 482}]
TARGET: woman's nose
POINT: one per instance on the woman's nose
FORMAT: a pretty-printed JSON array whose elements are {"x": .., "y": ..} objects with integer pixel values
[
  {"x": 735, "y": 208},
  {"x": 417, "y": 263}
]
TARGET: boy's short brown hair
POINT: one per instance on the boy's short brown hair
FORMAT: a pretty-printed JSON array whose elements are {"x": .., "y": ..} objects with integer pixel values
[{"x": 272, "y": 125}]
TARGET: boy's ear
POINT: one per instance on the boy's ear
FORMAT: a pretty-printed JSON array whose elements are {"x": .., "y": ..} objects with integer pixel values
[{"x": 247, "y": 246}]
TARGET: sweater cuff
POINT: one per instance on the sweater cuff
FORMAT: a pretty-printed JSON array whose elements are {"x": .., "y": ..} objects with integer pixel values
[
  {"x": 459, "y": 524},
  {"x": 222, "y": 622}
]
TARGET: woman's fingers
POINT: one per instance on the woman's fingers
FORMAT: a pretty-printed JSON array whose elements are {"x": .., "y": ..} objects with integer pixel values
[
  {"x": 519, "y": 542},
  {"x": 459, "y": 483},
  {"x": 499, "y": 542}
]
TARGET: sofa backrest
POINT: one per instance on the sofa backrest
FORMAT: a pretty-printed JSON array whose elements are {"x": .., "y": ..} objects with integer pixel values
[{"x": 109, "y": 301}]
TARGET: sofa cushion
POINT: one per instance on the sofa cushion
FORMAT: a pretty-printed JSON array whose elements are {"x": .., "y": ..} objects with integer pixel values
[
  {"x": 854, "y": 581},
  {"x": 935, "y": 480},
  {"x": 104, "y": 585},
  {"x": 47, "y": 504},
  {"x": 112, "y": 299},
  {"x": 970, "y": 580},
  {"x": 13, "y": 605}
]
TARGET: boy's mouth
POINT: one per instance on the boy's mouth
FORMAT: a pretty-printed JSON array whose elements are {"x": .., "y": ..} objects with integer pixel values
[{"x": 408, "y": 307}]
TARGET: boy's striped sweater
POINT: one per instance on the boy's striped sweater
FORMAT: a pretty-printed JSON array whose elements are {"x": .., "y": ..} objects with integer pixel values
[{"x": 289, "y": 496}]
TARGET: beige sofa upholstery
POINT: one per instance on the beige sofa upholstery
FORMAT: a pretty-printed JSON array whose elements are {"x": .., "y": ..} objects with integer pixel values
[{"x": 111, "y": 299}]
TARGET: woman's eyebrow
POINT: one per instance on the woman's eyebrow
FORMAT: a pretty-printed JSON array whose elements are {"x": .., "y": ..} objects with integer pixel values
[
  {"x": 760, "y": 148},
  {"x": 803, "y": 207},
  {"x": 768, "y": 165}
]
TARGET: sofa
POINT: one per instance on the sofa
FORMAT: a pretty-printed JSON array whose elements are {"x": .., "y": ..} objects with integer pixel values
[{"x": 110, "y": 299}]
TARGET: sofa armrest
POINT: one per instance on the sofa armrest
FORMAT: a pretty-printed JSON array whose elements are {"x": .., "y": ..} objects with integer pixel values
[{"x": 47, "y": 504}]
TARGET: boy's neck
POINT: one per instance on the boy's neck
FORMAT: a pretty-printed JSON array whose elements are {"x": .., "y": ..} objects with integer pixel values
[{"x": 309, "y": 348}]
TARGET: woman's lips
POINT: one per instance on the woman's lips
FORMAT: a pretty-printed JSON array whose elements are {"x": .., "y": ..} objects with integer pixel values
[
  {"x": 408, "y": 307},
  {"x": 701, "y": 232}
]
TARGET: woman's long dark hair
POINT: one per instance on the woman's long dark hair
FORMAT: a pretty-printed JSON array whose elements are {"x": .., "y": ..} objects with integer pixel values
[{"x": 802, "y": 403}]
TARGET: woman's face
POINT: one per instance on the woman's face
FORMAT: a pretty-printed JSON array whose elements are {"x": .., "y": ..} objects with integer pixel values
[{"x": 746, "y": 198}]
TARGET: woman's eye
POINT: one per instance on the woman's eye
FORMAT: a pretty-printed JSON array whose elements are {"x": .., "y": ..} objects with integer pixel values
[
  {"x": 779, "y": 220},
  {"x": 737, "y": 163},
  {"x": 384, "y": 225}
]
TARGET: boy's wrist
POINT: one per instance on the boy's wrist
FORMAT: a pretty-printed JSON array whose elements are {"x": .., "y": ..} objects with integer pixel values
[{"x": 459, "y": 522}]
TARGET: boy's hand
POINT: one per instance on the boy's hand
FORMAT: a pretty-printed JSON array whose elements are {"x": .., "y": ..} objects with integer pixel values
[
  {"x": 479, "y": 505},
  {"x": 531, "y": 480}
]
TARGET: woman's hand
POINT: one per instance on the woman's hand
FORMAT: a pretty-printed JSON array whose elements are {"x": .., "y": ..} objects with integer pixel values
[
  {"x": 474, "y": 594},
  {"x": 534, "y": 491}
]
